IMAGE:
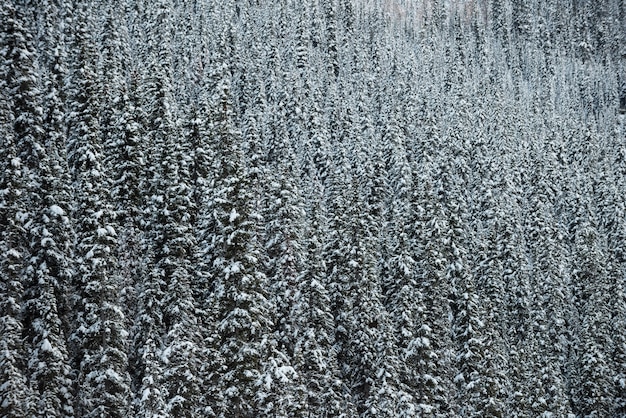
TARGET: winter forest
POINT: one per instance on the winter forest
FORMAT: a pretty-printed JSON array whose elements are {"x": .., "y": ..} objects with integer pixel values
[{"x": 313, "y": 208}]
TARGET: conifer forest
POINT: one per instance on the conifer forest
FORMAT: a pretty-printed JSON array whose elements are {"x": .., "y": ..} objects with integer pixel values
[{"x": 313, "y": 208}]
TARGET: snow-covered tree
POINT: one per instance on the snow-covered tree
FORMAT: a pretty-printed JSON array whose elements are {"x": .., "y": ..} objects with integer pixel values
[
  {"x": 48, "y": 255},
  {"x": 100, "y": 334},
  {"x": 16, "y": 395},
  {"x": 249, "y": 356}
]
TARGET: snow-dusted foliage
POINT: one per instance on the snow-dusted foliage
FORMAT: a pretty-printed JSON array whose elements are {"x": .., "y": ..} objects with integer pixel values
[{"x": 317, "y": 208}]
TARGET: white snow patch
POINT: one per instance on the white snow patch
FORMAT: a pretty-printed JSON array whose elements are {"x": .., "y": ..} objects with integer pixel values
[
  {"x": 426, "y": 328},
  {"x": 165, "y": 356},
  {"x": 422, "y": 342},
  {"x": 57, "y": 210},
  {"x": 45, "y": 242},
  {"x": 176, "y": 400},
  {"x": 46, "y": 346},
  {"x": 145, "y": 395},
  {"x": 14, "y": 253},
  {"x": 427, "y": 409},
  {"x": 233, "y": 215},
  {"x": 283, "y": 373},
  {"x": 232, "y": 268}
]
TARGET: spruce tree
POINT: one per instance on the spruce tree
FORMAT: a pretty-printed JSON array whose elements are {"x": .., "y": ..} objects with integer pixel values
[
  {"x": 242, "y": 309},
  {"x": 100, "y": 334},
  {"x": 48, "y": 267},
  {"x": 16, "y": 395},
  {"x": 315, "y": 358},
  {"x": 173, "y": 248}
]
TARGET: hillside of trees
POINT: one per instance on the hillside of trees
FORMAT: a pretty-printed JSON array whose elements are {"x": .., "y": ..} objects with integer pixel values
[{"x": 313, "y": 208}]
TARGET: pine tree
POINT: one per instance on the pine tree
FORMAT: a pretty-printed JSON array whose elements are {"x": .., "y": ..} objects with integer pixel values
[
  {"x": 173, "y": 248},
  {"x": 592, "y": 291},
  {"x": 366, "y": 346},
  {"x": 549, "y": 342},
  {"x": 285, "y": 253},
  {"x": 198, "y": 134},
  {"x": 121, "y": 123},
  {"x": 404, "y": 297},
  {"x": 499, "y": 20},
  {"x": 100, "y": 335},
  {"x": 148, "y": 323},
  {"x": 477, "y": 393},
  {"x": 487, "y": 264},
  {"x": 167, "y": 327},
  {"x": 16, "y": 395},
  {"x": 330, "y": 17},
  {"x": 47, "y": 269},
  {"x": 314, "y": 355},
  {"x": 242, "y": 310},
  {"x": 433, "y": 345}
]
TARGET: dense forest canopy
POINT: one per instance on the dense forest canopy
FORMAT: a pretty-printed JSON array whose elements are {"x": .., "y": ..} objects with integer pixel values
[{"x": 313, "y": 208}]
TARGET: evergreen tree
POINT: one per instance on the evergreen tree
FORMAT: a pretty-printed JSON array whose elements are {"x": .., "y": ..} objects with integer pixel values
[
  {"x": 366, "y": 349},
  {"x": 433, "y": 345},
  {"x": 285, "y": 253},
  {"x": 323, "y": 208},
  {"x": 244, "y": 315},
  {"x": 315, "y": 358},
  {"x": 173, "y": 248},
  {"x": 592, "y": 291},
  {"x": 48, "y": 267},
  {"x": 99, "y": 337},
  {"x": 16, "y": 395},
  {"x": 168, "y": 332},
  {"x": 548, "y": 319}
]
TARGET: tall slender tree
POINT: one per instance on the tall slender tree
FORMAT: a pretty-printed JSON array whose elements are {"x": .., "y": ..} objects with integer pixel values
[
  {"x": 16, "y": 88},
  {"x": 100, "y": 334}
]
